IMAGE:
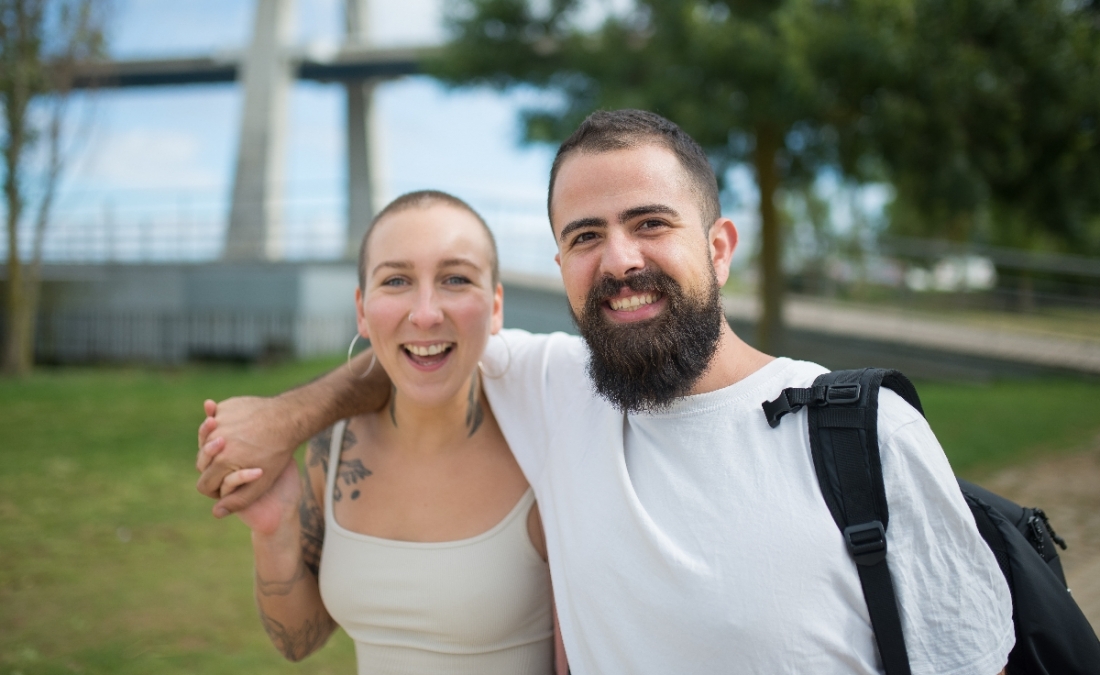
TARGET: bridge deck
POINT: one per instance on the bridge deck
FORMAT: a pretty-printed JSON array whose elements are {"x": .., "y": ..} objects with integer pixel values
[{"x": 343, "y": 65}]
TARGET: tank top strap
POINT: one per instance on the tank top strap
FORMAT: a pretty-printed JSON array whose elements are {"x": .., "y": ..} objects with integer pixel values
[{"x": 333, "y": 467}]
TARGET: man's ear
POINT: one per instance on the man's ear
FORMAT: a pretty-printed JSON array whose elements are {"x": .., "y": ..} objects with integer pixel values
[{"x": 723, "y": 241}]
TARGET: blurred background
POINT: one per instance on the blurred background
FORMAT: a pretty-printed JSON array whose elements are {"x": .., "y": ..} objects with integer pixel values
[{"x": 916, "y": 185}]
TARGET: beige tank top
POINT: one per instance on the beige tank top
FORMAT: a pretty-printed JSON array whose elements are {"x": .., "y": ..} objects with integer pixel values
[{"x": 477, "y": 606}]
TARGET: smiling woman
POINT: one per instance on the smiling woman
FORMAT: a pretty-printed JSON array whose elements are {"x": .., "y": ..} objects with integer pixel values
[{"x": 414, "y": 528}]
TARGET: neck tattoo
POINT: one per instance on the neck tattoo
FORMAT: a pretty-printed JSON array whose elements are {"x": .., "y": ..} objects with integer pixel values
[{"x": 474, "y": 413}]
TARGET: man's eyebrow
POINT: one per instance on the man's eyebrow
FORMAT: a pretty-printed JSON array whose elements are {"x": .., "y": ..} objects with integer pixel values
[
  {"x": 648, "y": 209},
  {"x": 578, "y": 224},
  {"x": 624, "y": 216}
]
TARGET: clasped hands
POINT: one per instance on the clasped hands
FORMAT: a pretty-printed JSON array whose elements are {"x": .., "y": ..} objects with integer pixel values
[{"x": 245, "y": 444}]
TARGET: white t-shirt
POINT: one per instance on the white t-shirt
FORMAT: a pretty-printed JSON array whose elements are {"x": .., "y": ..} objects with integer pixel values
[{"x": 697, "y": 540}]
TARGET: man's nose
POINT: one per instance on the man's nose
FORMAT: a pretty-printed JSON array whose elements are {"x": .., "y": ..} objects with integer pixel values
[
  {"x": 621, "y": 255},
  {"x": 426, "y": 312}
]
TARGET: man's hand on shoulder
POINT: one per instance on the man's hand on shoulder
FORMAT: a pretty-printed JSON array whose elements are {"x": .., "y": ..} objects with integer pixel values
[{"x": 243, "y": 432}]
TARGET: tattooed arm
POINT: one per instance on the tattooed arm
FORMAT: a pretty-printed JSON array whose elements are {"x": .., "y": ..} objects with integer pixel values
[{"x": 288, "y": 528}]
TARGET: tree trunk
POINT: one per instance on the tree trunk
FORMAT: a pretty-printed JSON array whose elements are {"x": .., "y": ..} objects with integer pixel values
[
  {"x": 19, "y": 327},
  {"x": 18, "y": 314},
  {"x": 769, "y": 330},
  {"x": 18, "y": 353}
]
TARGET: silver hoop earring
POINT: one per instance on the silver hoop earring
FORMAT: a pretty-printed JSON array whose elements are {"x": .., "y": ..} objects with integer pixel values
[
  {"x": 507, "y": 365},
  {"x": 373, "y": 360}
]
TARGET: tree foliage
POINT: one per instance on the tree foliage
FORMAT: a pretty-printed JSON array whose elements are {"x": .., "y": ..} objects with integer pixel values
[{"x": 982, "y": 113}]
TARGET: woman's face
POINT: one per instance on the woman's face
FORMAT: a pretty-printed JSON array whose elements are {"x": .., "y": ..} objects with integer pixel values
[{"x": 430, "y": 304}]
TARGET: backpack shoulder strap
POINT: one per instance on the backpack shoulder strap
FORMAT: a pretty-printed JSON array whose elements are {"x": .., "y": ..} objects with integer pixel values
[{"x": 843, "y": 427}]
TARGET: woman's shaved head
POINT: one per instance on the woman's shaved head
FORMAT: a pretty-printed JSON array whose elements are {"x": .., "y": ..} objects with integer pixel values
[{"x": 424, "y": 199}]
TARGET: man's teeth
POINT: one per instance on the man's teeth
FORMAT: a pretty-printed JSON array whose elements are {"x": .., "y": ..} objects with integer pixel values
[
  {"x": 429, "y": 350},
  {"x": 633, "y": 302}
]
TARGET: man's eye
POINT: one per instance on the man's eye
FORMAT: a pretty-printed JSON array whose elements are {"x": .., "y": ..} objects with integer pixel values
[
  {"x": 456, "y": 280},
  {"x": 651, "y": 224},
  {"x": 583, "y": 237},
  {"x": 394, "y": 281}
]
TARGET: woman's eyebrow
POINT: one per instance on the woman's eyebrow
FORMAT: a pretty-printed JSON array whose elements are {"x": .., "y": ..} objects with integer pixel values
[
  {"x": 453, "y": 262},
  {"x": 392, "y": 264}
]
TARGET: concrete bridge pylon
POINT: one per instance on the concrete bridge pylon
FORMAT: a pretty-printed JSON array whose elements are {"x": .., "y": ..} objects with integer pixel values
[
  {"x": 255, "y": 219},
  {"x": 364, "y": 177},
  {"x": 267, "y": 73}
]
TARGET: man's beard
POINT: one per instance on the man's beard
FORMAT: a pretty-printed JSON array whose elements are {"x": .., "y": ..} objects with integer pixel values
[{"x": 645, "y": 366}]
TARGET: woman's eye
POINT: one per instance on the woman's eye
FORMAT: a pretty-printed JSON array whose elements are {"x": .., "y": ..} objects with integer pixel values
[
  {"x": 394, "y": 281},
  {"x": 456, "y": 280}
]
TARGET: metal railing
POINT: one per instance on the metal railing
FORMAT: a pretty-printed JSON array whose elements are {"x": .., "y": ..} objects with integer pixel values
[{"x": 191, "y": 227}]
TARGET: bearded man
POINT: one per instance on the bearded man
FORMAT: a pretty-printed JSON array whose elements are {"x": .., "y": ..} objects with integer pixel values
[{"x": 684, "y": 534}]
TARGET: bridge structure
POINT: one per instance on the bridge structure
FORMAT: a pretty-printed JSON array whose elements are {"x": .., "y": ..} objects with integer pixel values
[
  {"x": 251, "y": 304},
  {"x": 266, "y": 70}
]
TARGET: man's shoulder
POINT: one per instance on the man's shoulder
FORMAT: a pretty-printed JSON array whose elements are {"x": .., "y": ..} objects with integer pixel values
[
  {"x": 536, "y": 350},
  {"x": 541, "y": 368},
  {"x": 784, "y": 372},
  {"x": 894, "y": 411},
  {"x": 523, "y": 339}
]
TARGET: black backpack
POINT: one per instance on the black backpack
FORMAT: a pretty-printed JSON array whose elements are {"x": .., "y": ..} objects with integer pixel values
[{"x": 1053, "y": 637}]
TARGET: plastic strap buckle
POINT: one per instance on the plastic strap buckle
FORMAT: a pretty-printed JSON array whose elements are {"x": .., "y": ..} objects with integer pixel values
[
  {"x": 866, "y": 542},
  {"x": 774, "y": 410}
]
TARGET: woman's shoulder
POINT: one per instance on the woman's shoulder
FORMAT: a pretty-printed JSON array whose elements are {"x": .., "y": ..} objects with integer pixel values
[
  {"x": 319, "y": 448},
  {"x": 319, "y": 453}
]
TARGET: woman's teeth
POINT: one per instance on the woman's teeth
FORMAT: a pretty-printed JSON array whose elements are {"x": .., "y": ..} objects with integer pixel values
[
  {"x": 429, "y": 350},
  {"x": 633, "y": 302}
]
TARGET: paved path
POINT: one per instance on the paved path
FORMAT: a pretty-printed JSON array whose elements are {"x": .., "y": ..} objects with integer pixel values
[
  {"x": 538, "y": 304},
  {"x": 1066, "y": 488},
  {"x": 889, "y": 325}
]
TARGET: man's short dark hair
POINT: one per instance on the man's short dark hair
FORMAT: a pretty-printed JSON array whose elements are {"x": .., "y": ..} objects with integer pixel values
[
  {"x": 608, "y": 130},
  {"x": 422, "y": 199}
]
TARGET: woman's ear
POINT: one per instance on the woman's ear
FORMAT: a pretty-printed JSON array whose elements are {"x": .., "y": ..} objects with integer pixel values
[
  {"x": 497, "y": 321},
  {"x": 360, "y": 315}
]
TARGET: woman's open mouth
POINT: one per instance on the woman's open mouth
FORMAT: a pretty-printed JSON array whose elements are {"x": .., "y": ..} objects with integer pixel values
[{"x": 429, "y": 355}]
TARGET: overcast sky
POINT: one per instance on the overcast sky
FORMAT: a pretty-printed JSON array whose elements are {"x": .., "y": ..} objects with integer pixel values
[{"x": 162, "y": 158}]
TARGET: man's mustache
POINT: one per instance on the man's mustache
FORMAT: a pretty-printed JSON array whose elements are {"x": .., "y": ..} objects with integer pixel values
[{"x": 643, "y": 281}]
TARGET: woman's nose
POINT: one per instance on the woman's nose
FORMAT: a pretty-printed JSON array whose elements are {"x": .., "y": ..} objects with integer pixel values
[{"x": 426, "y": 313}]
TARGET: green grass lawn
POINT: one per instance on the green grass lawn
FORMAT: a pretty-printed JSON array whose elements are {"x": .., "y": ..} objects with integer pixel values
[
  {"x": 988, "y": 426},
  {"x": 111, "y": 563},
  {"x": 109, "y": 560}
]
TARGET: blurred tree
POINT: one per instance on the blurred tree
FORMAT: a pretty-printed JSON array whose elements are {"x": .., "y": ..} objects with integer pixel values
[
  {"x": 41, "y": 44},
  {"x": 984, "y": 114},
  {"x": 730, "y": 73},
  {"x": 977, "y": 110}
]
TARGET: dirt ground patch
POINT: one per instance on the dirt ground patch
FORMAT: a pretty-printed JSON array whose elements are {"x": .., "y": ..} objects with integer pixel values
[{"x": 1068, "y": 488}]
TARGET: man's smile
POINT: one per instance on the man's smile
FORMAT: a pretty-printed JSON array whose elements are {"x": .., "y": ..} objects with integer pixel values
[{"x": 631, "y": 303}]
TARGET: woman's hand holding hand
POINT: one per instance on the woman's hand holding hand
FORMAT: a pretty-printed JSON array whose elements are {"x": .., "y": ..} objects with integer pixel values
[
  {"x": 275, "y": 508},
  {"x": 244, "y": 431}
]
